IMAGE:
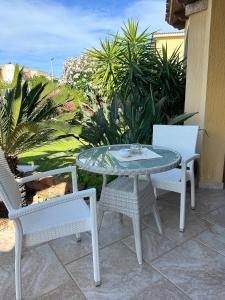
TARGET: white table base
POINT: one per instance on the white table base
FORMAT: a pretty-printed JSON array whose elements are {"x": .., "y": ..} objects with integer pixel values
[{"x": 132, "y": 197}]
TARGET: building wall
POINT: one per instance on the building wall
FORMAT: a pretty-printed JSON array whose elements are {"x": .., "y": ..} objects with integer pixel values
[
  {"x": 198, "y": 32},
  {"x": 172, "y": 40},
  {"x": 205, "y": 90},
  {"x": 214, "y": 149},
  {"x": 7, "y": 72}
]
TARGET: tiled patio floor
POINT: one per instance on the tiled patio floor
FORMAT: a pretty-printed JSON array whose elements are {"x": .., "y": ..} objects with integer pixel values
[{"x": 177, "y": 266}]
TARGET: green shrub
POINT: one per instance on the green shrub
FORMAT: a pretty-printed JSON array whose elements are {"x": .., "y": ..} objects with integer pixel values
[
  {"x": 126, "y": 120},
  {"x": 144, "y": 87},
  {"x": 169, "y": 81}
]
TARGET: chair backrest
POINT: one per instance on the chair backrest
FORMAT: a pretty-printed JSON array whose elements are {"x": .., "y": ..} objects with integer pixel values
[
  {"x": 9, "y": 188},
  {"x": 182, "y": 138}
]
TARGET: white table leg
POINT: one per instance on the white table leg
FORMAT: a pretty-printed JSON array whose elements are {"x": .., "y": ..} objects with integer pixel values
[{"x": 137, "y": 225}]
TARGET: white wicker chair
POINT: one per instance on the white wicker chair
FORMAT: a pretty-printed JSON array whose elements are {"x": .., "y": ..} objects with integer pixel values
[
  {"x": 51, "y": 219},
  {"x": 182, "y": 139}
]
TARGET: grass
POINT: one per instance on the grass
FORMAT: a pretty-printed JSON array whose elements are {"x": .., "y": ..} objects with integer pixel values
[
  {"x": 59, "y": 154},
  {"x": 54, "y": 155}
]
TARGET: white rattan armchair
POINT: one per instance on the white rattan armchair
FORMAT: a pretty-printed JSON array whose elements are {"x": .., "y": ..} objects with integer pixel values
[
  {"x": 51, "y": 219},
  {"x": 184, "y": 140}
]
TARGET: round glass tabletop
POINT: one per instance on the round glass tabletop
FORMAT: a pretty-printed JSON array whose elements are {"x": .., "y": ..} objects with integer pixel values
[{"x": 106, "y": 160}]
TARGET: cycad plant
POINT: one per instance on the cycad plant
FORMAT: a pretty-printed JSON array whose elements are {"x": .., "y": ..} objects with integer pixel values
[{"x": 25, "y": 114}]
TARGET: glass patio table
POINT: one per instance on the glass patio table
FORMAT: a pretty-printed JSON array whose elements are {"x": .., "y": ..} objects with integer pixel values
[
  {"x": 131, "y": 193},
  {"x": 100, "y": 160}
]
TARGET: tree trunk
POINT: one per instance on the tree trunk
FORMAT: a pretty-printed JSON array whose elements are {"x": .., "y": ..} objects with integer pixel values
[{"x": 13, "y": 162}]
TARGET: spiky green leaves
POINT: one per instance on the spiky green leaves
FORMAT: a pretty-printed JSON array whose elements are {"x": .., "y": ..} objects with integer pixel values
[{"x": 26, "y": 112}]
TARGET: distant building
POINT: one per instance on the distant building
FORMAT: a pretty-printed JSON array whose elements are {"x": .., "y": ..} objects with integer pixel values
[
  {"x": 7, "y": 72},
  {"x": 173, "y": 40}
]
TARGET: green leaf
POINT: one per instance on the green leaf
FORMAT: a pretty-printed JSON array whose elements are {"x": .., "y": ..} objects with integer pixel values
[{"x": 181, "y": 118}]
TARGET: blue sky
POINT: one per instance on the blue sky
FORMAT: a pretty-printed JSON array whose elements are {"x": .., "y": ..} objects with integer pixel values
[{"x": 33, "y": 31}]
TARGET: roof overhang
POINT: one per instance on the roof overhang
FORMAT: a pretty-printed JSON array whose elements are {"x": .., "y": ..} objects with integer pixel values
[
  {"x": 175, "y": 12},
  {"x": 179, "y": 34}
]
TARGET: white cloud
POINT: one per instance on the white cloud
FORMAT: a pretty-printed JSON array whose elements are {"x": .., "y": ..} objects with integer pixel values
[
  {"x": 151, "y": 14},
  {"x": 36, "y": 29}
]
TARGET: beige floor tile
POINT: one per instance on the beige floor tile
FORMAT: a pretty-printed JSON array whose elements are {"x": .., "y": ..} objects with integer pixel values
[
  {"x": 122, "y": 276},
  {"x": 196, "y": 269},
  {"x": 170, "y": 223},
  {"x": 214, "y": 237},
  {"x": 168, "y": 206},
  {"x": 171, "y": 199},
  {"x": 153, "y": 244},
  {"x": 192, "y": 228},
  {"x": 41, "y": 273},
  {"x": 68, "y": 249},
  {"x": 161, "y": 290},
  {"x": 7, "y": 235},
  {"x": 113, "y": 230},
  {"x": 7, "y": 289},
  {"x": 67, "y": 291},
  {"x": 208, "y": 200},
  {"x": 216, "y": 216}
]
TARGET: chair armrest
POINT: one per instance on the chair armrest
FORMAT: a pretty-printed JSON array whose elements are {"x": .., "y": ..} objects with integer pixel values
[
  {"x": 188, "y": 159},
  {"x": 70, "y": 169},
  {"x": 20, "y": 212}
]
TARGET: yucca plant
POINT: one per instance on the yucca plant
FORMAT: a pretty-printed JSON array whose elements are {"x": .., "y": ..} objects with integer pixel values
[
  {"x": 169, "y": 80},
  {"x": 130, "y": 61},
  {"x": 143, "y": 85},
  {"x": 106, "y": 65},
  {"x": 123, "y": 61}
]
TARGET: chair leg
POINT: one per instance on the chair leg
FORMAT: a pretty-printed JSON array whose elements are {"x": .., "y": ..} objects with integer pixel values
[
  {"x": 18, "y": 252},
  {"x": 137, "y": 237},
  {"x": 157, "y": 218},
  {"x": 95, "y": 251},
  {"x": 192, "y": 191},
  {"x": 100, "y": 217},
  {"x": 121, "y": 218},
  {"x": 155, "y": 193},
  {"x": 94, "y": 238},
  {"x": 182, "y": 211},
  {"x": 78, "y": 237}
]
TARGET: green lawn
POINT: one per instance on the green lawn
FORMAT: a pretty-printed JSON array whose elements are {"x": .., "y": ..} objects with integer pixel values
[
  {"x": 59, "y": 154},
  {"x": 53, "y": 155},
  {"x": 56, "y": 154}
]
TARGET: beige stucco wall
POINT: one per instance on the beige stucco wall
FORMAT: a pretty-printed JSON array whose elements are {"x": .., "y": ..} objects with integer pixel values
[
  {"x": 198, "y": 31},
  {"x": 214, "y": 149},
  {"x": 205, "y": 89},
  {"x": 172, "y": 42}
]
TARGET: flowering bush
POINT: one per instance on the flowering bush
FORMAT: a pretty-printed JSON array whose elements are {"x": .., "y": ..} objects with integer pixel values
[
  {"x": 78, "y": 73},
  {"x": 69, "y": 106}
]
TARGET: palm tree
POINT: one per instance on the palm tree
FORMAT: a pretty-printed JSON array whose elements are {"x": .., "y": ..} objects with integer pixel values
[{"x": 26, "y": 114}]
